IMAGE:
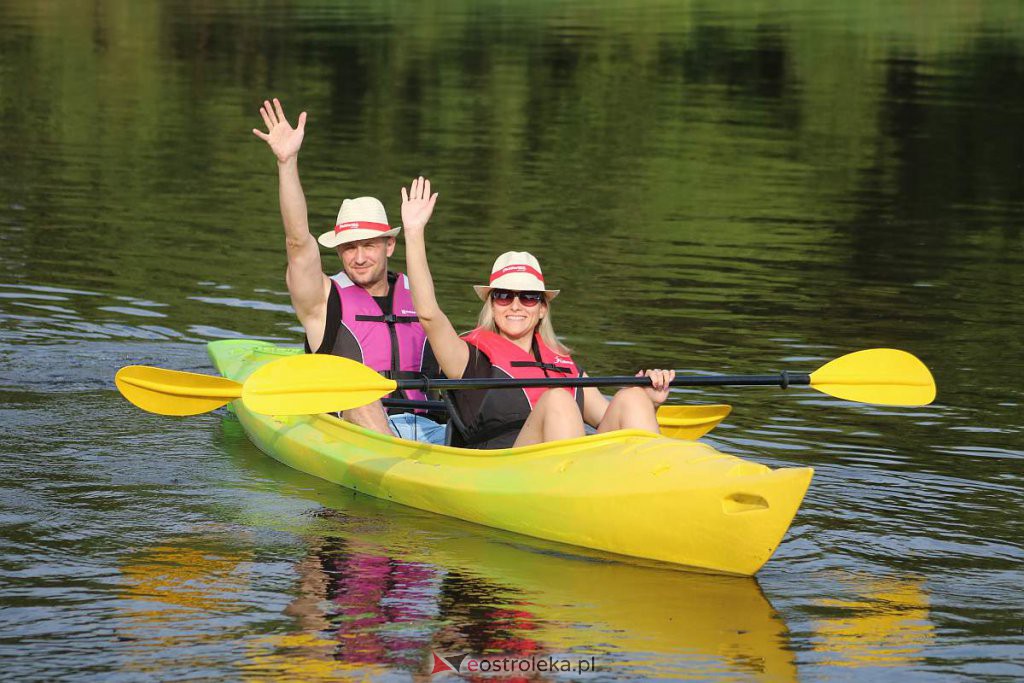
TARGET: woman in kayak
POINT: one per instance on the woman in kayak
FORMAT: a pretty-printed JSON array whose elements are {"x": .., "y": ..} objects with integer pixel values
[{"x": 514, "y": 338}]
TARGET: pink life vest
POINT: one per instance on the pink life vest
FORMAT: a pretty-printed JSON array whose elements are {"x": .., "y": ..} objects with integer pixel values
[{"x": 391, "y": 342}]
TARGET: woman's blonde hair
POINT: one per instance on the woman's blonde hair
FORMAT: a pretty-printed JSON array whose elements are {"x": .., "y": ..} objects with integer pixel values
[{"x": 547, "y": 332}]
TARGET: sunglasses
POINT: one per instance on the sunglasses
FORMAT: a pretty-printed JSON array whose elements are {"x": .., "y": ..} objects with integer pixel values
[{"x": 504, "y": 297}]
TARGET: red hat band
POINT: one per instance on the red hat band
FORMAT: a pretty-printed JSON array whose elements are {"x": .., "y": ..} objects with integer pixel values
[
  {"x": 517, "y": 268},
  {"x": 361, "y": 225}
]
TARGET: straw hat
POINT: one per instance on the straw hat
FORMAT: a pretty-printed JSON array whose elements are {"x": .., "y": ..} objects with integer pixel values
[
  {"x": 518, "y": 271},
  {"x": 361, "y": 218}
]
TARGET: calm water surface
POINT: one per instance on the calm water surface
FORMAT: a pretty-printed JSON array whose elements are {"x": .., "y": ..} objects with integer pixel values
[{"x": 716, "y": 187}]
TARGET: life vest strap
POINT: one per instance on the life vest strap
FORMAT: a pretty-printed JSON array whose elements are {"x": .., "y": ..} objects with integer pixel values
[
  {"x": 543, "y": 366},
  {"x": 389, "y": 318},
  {"x": 404, "y": 374}
]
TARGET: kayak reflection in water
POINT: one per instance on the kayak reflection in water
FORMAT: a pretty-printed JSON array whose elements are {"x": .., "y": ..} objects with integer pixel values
[{"x": 514, "y": 337}]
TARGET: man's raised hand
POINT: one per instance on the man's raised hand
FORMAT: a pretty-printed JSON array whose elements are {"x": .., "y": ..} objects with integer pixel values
[{"x": 284, "y": 140}]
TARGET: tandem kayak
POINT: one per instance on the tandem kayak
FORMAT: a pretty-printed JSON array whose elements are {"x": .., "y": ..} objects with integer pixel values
[{"x": 628, "y": 492}]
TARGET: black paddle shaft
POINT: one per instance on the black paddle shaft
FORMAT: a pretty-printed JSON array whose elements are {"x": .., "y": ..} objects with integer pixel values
[
  {"x": 783, "y": 379},
  {"x": 413, "y": 404}
]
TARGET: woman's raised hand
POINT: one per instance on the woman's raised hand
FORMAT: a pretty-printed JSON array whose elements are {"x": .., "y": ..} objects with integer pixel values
[
  {"x": 660, "y": 381},
  {"x": 417, "y": 206},
  {"x": 284, "y": 140}
]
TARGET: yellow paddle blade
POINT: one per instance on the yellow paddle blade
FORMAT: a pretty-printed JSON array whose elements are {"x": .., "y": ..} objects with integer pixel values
[
  {"x": 313, "y": 383},
  {"x": 172, "y": 392},
  {"x": 690, "y": 422},
  {"x": 883, "y": 376}
]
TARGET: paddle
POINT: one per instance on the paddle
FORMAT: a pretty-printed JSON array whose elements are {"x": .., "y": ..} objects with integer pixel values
[
  {"x": 174, "y": 392},
  {"x": 317, "y": 383},
  {"x": 690, "y": 422}
]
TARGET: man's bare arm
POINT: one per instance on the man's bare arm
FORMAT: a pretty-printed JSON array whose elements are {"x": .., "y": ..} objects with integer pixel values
[{"x": 307, "y": 284}]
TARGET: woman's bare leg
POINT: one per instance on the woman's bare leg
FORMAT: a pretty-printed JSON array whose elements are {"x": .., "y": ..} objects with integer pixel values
[
  {"x": 630, "y": 409},
  {"x": 556, "y": 416}
]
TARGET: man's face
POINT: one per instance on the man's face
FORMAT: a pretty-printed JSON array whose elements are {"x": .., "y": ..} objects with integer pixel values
[{"x": 366, "y": 261}]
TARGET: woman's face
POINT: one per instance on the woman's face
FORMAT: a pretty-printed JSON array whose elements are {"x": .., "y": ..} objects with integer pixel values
[{"x": 515, "y": 321}]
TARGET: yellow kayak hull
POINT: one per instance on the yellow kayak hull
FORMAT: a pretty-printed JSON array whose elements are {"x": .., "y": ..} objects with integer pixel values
[{"x": 628, "y": 492}]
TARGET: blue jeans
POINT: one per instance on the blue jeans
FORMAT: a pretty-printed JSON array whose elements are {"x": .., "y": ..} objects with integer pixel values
[{"x": 417, "y": 428}]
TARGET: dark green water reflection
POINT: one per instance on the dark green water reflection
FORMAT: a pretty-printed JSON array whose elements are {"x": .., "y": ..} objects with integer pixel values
[{"x": 714, "y": 187}]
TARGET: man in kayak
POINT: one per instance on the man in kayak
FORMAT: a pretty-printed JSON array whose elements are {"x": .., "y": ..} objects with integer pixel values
[
  {"x": 514, "y": 337},
  {"x": 364, "y": 312}
]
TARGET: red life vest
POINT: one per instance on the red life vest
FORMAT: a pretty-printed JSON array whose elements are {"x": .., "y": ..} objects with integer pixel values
[{"x": 502, "y": 412}]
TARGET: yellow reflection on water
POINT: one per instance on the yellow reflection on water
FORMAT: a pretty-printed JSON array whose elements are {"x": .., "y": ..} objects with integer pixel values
[
  {"x": 176, "y": 593},
  {"x": 177, "y": 596},
  {"x": 887, "y": 624},
  {"x": 300, "y": 657},
  {"x": 182, "y": 581}
]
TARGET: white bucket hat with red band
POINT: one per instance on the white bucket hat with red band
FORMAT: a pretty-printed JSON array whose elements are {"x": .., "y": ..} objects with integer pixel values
[
  {"x": 518, "y": 271},
  {"x": 361, "y": 218}
]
